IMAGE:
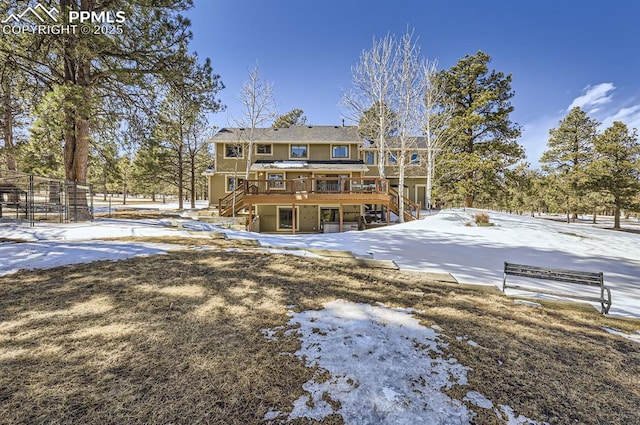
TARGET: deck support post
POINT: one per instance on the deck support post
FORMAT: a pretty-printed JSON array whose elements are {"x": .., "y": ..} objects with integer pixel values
[
  {"x": 388, "y": 214},
  {"x": 341, "y": 212},
  {"x": 250, "y": 226},
  {"x": 293, "y": 219}
]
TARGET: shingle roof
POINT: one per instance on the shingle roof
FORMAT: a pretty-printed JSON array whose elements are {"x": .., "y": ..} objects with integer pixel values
[
  {"x": 312, "y": 133},
  {"x": 304, "y": 133}
]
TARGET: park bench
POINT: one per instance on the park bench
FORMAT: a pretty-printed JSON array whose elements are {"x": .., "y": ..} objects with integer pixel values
[{"x": 560, "y": 275}]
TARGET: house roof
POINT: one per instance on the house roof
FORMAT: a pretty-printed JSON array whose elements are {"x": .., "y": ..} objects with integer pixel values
[
  {"x": 294, "y": 165},
  {"x": 310, "y": 133},
  {"x": 304, "y": 134}
]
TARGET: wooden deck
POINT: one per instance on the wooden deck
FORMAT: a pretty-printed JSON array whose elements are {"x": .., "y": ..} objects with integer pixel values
[{"x": 316, "y": 191}]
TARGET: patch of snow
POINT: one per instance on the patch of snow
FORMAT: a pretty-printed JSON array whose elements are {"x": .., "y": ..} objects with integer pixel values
[
  {"x": 287, "y": 164},
  {"x": 527, "y": 303},
  {"x": 272, "y": 414},
  {"x": 385, "y": 367},
  {"x": 49, "y": 254},
  {"x": 512, "y": 419},
  {"x": 478, "y": 399},
  {"x": 634, "y": 337}
]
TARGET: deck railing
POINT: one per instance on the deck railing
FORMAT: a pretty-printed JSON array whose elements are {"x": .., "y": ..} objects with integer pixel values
[
  {"x": 317, "y": 185},
  {"x": 411, "y": 209}
]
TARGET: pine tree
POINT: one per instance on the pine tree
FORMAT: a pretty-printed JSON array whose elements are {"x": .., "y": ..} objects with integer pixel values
[
  {"x": 570, "y": 152},
  {"x": 616, "y": 168},
  {"x": 89, "y": 70},
  {"x": 483, "y": 138},
  {"x": 294, "y": 117}
]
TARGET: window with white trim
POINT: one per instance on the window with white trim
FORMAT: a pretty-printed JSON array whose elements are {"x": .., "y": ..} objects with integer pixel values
[
  {"x": 285, "y": 218},
  {"x": 233, "y": 150},
  {"x": 233, "y": 183},
  {"x": 369, "y": 157},
  {"x": 299, "y": 151},
  {"x": 340, "y": 151},
  {"x": 264, "y": 149},
  {"x": 276, "y": 181}
]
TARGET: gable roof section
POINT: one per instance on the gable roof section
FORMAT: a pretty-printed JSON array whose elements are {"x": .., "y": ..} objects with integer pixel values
[{"x": 308, "y": 134}]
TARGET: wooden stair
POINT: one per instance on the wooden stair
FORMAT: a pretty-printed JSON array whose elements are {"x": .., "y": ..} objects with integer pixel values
[
  {"x": 228, "y": 207},
  {"x": 411, "y": 209}
]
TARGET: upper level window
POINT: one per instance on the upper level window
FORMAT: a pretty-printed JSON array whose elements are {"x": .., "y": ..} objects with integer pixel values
[
  {"x": 232, "y": 150},
  {"x": 392, "y": 158},
  {"x": 415, "y": 158},
  {"x": 340, "y": 151},
  {"x": 264, "y": 149},
  {"x": 369, "y": 157},
  {"x": 299, "y": 151}
]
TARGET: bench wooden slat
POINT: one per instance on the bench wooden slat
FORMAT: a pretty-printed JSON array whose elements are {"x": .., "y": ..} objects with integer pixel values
[
  {"x": 585, "y": 280},
  {"x": 561, "y": 275}
]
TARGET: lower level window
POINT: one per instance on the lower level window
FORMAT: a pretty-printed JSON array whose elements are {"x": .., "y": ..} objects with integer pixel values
[{"x": 285, "y": 218}]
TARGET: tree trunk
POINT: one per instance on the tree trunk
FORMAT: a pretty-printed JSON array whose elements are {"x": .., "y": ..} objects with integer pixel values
[
  {"x": 193, "y": 182},
  {"x": 77, "y": 111},
  {"x": 401, "y": 188},
  {"x": 616, "y": 216},
  {"x": 430, "y": 166},
  {"x": 104, "y": 184},
  {"x": 180, "y": 178},
  {"x": 468, "y": 201},
  {"x": 8, "y": 125},
  {"x": 124, "y": 187},
  {"x": 76, "y": 155}
]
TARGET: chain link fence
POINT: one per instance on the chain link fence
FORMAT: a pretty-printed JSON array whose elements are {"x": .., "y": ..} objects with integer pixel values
[{"x": 26, "y": 197}]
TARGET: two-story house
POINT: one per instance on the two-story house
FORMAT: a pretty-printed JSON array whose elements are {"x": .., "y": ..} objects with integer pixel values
[{"x": 307, "y": 179}]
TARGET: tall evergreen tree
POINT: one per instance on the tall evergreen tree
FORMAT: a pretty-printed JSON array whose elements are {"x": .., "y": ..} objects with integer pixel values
[
  {"x": 616, "y": 168},
  {"x": 570, "y": 152},
  {"x": 91, "y": 69},
  {"x": 294, "y": 117},
  {"x": 483, "y": 138}
]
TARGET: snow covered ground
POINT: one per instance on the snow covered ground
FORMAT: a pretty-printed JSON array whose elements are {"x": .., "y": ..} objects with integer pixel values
[
  {"x": 444, "y": 242},
  {"x": 440, "y": 242}
]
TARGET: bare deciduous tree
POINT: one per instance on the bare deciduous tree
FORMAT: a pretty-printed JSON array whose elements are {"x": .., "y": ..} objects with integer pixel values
[
  {"x": 373, "y": 87},
  {"x": 409, "y": 85},
  {"x": 256, "y": 98}
]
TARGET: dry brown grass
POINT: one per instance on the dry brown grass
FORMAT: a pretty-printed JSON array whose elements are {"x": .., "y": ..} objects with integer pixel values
[
  {"x": 133, "y": 214},
  {"x": 176, "y": 339}
]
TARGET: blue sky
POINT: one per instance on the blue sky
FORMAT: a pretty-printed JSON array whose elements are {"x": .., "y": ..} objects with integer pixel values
[{"x": 560, "y": 53}]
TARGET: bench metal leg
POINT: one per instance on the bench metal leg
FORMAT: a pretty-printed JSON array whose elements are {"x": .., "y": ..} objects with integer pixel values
[{"x": 606, "y": 303}]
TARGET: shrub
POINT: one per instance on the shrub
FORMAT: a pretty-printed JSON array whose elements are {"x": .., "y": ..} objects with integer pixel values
[{"x": 481, "y": 218}]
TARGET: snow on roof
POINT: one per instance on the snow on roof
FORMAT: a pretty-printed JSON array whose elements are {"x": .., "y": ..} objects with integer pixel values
[{"x": 287, "y": 164}]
